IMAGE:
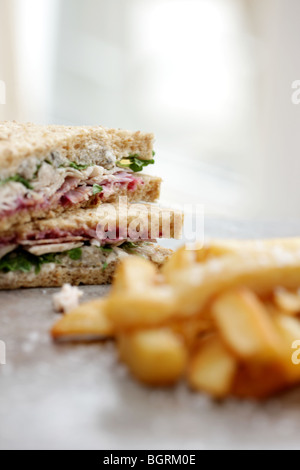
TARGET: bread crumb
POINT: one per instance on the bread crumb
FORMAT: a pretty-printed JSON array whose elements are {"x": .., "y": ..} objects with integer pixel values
[{"x": 67, "y": 298}]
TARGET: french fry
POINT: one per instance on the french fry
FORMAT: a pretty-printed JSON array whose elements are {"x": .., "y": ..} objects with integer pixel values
[
  {"x": 287, "y": 301},
  {"x": 188, "y": 255},
  {"x": 134, "y": 274},
  {"x": 137, "y": 299},
  {"x": 277, "y": 246},
  {"x": 181, "y": 259},
  {"x": 256, "y": 269},
  {"x": 155, "y": 357},
  {"x": 224, "y": 316},
  {"x": 245, "y": 326},
  {"x": 89, "y": 320},
  {"x": 259, "y": 381},
  {"x": 151, "y": 307},
  {"x": 192, "y": 328},
  {"x": 289, "y": 328},
  {"x": 215, "y": 249},
  {"x": 212, "y": 368}
]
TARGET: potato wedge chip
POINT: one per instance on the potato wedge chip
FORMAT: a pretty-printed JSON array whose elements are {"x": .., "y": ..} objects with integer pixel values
[
  {"x": 134, "y": 274},
  {"x": 289, "y": 329},
  {"x": 287, "y": 301},
  {"x": 155, "y": 357},
  {"x": 259, "y": 381},
  {"x": 215, "y": 249},
  {"x": 212, "y": 368},
  {"x": 245, "y": 325},
  {"x": 192, "y": 328},
  {"x": 222, "y": 315},
  {"x": 151, "y": 307},
  {"x": 89, "y": 320},
  {"x": 181, "y": 259},
  {"x": 256, "y": 269}
]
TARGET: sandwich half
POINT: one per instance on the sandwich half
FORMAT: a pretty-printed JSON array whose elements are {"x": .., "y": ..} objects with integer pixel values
[
  {"x": 84, "y": 246},
  {"x": 46, "y": 170}
]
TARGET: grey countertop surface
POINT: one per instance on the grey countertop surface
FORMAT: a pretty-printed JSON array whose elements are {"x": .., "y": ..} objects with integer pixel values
[{"x": 62, "y": 396}]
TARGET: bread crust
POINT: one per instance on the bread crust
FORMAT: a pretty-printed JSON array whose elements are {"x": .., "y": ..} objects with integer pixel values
[{"x": 19, "y": 141}]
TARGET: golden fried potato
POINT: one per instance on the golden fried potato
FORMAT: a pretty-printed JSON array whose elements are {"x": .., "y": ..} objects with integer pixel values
[
  {"x": 188, "y": 255},
  {"x": 259, "y": 381},
  {"x": 181, "y": 259},
  {"x": 288, "y": 326},
  {"x": 289, "y": 329},
  {"x": 222, "y": 315},
  {"x": 133, "y": 310},
  {"x": 287, "y": 301},
  {"x": 134, "y": 274},
  {"x": 87, "y": 320},
  {"x": 155, "y": 357},
  {"x": 192, "y": 328},
  {"x": 212, "y": 368},
  {"x": 260, "y": 268},
  {"x": 245, "y": 325},
  {"x": 137, "y": 299},
  {"x": 215, "y": 249}
]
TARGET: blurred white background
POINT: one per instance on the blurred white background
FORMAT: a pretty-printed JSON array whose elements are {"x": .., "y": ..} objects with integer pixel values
[{"x": 211, "y": 78}]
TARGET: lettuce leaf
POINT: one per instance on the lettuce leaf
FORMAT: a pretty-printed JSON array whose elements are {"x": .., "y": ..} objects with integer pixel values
[
  {"x": 97, "y": 189},
  {"x": 107, "y": 249},
  {"x": 17, "y": 179},
  {"x": 129, "y": 246},
  {"x": 135, "y": 163},
  {"x": 104, "y": 266},
  {"x": 74, "y": 254},
  {"x": 21, "y": 260},
  {"x": 78, "y": 167}
]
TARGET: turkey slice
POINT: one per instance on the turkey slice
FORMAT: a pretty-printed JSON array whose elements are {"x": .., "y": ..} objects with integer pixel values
[
  {"x": 52, "y": 248},
  {"x": 4, "y": 250},
  {"x": 51, "y": 241}
]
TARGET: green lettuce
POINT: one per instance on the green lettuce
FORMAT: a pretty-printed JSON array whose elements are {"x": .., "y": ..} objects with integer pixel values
[
  {"x": 97, "y": 189},
  {"x": 78, "y": 167},
  {"x": 74, "y": 254},
  {"x": 17, "y": 179},
  {"x": 129, "y": 246},
  {"x": 135, "y": 163},
  {"x": 21, "y": 260}
]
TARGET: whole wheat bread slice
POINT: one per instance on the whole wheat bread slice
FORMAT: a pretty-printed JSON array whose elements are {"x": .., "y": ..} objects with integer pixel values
[{"x": 81, "y": 145}]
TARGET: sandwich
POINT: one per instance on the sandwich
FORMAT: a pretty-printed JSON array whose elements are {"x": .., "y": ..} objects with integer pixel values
[
  {"x": 47, "y": 170},
  {"x": 84, "y": 246}
]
